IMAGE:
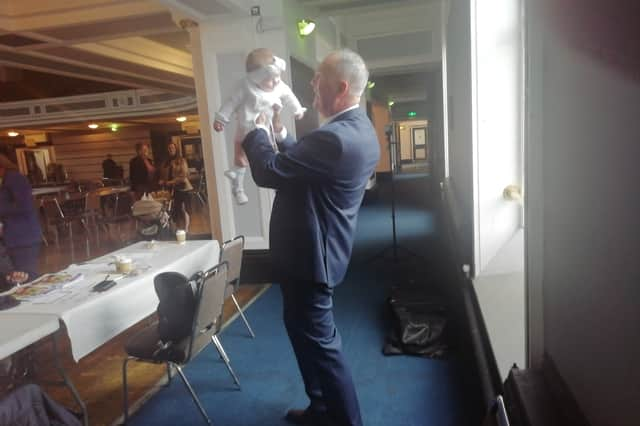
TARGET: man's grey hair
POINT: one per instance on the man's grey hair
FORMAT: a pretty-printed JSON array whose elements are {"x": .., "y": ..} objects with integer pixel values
[{"x": 351, "y": 67}]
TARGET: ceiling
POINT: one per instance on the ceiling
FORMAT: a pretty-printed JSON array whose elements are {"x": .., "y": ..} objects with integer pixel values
[{"x": 50, "y": 49}]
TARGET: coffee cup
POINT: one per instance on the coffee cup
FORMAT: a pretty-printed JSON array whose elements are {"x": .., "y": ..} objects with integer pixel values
[
  {"x": 124, "y": 265},
  {"x": 181, "y": 236}
]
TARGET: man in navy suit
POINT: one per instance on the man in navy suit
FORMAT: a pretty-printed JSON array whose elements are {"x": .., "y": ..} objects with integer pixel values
[{"x": 320, "y": 182}]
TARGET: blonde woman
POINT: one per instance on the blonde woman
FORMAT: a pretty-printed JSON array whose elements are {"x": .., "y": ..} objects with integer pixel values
[{"x": 175, "y": 174}]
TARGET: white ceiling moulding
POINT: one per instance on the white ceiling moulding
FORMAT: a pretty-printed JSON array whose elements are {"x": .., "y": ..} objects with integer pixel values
[
  {"x": 202, "y": 10},
  {"x": 95, "y": 107}
]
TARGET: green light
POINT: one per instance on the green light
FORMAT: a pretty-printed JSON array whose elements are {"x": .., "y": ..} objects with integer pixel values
[
  {"x": 371, "y": 84},
  {"x": 114, "y": 127},
  {"x": 306, "y": 27},
  {"x": 412, "y": 114}
]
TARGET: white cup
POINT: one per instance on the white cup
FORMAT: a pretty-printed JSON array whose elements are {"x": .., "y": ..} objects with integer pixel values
[
  {"x": 124, "y": 265},
  {"x": 181, "y": 236}
]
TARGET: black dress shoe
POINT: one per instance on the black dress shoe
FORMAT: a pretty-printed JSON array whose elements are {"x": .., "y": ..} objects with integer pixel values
[{"x": 307, "y": 417}]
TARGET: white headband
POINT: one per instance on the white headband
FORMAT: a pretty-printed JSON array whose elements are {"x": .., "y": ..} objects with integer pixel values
[{"x": 268, "y": 71}]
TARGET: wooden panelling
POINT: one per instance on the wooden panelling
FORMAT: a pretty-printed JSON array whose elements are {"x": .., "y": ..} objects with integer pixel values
[
  {"x": 380, "y": 117},
  {"x": 82, "y": 154}
]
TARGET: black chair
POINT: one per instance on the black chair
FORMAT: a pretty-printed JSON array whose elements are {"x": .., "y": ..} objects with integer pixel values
[{"x": 146, "y": 346}]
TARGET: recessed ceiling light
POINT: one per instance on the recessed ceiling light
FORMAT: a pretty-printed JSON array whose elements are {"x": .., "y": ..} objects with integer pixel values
[
  {"x": 13, "y": 134},
  {"x": 181, "y": 119},
  {"x": 114, "y": 127},
  {"x": 93, "y": 126}
]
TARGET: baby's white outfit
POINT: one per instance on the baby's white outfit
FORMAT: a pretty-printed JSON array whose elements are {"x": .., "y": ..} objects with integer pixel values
[{"x": 247, "y": 102}]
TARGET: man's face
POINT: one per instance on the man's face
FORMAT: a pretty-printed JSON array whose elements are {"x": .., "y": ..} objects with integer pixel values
[
  {"x": 325, "y": 88},
  {"x": 144, "y": 151}
]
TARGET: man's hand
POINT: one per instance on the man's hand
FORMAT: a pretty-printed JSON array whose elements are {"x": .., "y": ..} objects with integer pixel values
[
  {"x": 17, "y": 277},
  {"x": 277, "y": 122}
]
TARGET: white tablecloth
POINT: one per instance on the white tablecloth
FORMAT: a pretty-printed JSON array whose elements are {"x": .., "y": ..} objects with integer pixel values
[
  {"x": 91, "y": 319},
  {"x": 17, "y": 331}
]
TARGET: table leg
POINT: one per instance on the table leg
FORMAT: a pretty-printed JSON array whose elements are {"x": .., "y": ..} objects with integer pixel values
[{"x": 67, "y": 381}]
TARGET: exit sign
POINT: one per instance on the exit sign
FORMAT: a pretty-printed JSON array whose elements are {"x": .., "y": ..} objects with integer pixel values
[{"x": 412, "y": 114}]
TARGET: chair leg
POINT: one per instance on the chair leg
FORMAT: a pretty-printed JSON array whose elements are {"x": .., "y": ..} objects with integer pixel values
[
  {"x": 235, "y": 301},
  {"x": 225, "y": 358},
  {"x": 193, "y": 394},
  {"x": 168, "y": 374}
]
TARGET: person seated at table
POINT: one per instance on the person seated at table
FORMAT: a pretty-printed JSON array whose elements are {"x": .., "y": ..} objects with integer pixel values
[
  {"x": 109, "y": 168},
  {"x": 20, "y": 233},
  {"x": 142, "y": 172},
  {"x": 175, "y": 174}
]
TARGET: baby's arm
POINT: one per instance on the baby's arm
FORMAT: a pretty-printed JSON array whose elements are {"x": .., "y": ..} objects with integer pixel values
[
  {"x": 290, "y": 100},
  {"x": 228, "y": 107}
]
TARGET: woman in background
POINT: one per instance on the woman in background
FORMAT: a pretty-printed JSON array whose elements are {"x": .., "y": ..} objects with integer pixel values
[{"x": 175, "y": 174}]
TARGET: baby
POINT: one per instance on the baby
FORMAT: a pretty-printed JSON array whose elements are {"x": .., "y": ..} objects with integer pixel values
[{"x": 257, "y": 93}]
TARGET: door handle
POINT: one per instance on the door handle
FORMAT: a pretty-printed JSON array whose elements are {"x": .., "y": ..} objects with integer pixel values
[{"x": 512, "y": 193}]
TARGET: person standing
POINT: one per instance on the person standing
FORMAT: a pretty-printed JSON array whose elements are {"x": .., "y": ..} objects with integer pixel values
[
  {"x": 320, "y": 182},
  {"x": 142, "y": 172},
  {"x": 175, "y": 175},
  {"x": 21, "y": 232}
]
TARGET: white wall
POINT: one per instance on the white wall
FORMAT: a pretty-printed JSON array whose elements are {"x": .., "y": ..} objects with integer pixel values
[{"x": 590, "y": 153}]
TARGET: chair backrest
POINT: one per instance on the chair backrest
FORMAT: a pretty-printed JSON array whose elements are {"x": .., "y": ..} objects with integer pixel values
[
  {"x": 231, "y": 252},
  {"x": 51, "y": 209},
  {"x": 209, "y": 306},
  {"x": 124, "y": 203},
  {"x": 92, "y": 203}
]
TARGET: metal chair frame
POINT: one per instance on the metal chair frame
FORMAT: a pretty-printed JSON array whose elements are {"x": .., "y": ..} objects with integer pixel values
[{"x": 231, "y": 252}]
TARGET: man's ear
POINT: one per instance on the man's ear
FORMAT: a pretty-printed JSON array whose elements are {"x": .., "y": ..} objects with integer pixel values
[{"x": 343, "y": 88}]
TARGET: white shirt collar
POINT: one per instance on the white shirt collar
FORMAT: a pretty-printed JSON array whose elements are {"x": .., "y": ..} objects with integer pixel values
[{"x": 330, "y": 119}]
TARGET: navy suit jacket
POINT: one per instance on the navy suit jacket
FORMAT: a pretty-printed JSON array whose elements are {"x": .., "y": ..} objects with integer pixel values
[
  {"x": 320, "y": 182},
  {"x": 17, "y": 212}
]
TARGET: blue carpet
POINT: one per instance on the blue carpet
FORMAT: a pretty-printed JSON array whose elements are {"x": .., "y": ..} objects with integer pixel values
[{"x": 393, "y": 391}]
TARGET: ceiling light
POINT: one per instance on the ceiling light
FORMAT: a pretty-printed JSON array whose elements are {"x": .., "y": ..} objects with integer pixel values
[
  {"x": 306, "y": 27},
  {"x": 93, "y": 126},
  {"x": 181, "y": 119},
  {"x": 371, "y": 84},
  {"x": 390, "y": 104},
  {"x": 12, "y": 134},
  {"x": 114, "y": 127}
]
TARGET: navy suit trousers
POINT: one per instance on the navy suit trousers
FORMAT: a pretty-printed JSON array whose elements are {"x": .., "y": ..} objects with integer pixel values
[{"x": 316, "y": 342}]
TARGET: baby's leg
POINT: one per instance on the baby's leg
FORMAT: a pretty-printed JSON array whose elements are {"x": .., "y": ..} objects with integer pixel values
[{"x": 236, "y": 174}]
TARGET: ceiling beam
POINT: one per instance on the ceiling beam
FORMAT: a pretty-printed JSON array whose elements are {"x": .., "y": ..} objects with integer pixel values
[{"x": 142, "y": 77}]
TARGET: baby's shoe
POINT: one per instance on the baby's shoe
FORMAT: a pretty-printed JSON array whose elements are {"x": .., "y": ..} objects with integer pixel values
[{"x": 241, "y": 197}]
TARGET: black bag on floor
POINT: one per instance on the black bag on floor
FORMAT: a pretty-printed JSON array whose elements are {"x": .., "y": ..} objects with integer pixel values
[
  {"x": 418, "y": 326},
  {"x": 176, "y": 307}
]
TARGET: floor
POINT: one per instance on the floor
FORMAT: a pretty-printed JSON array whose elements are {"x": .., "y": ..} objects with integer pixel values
[{"x": 98, "y": 376}]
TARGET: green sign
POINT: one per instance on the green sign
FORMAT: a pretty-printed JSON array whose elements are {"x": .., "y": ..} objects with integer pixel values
[{"x": 412, "y": 114}]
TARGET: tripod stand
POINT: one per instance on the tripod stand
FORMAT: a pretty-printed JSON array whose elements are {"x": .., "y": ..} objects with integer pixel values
[{"x": 394, "y": 248}]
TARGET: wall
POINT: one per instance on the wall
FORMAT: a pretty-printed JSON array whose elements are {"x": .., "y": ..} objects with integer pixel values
[
  {"x": 82, "y": 153},
  {"x": 590, "y": 132},
  {"x": 380, "y": 117}
]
